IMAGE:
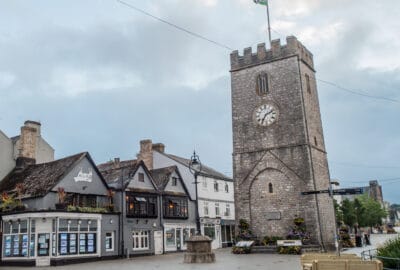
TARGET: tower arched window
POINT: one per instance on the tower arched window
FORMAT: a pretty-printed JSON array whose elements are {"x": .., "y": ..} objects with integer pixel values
[
  {"x": 262, "y": 87},
  {"x": 270, "y": 188}
]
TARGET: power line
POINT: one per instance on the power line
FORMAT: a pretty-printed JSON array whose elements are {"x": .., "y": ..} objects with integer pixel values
[
  {"x": 221, "y": 45},
  {"x": 174, "y": 25},
  {"x": 363, "y": 165}
]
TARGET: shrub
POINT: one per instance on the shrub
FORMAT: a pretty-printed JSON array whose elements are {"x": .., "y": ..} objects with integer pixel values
[
  {"x": 270, "y": 240},
  {"x": 391, "y": 249},
  {"x": 241, "y": 250},
  {"x": 289, "y": 250}
]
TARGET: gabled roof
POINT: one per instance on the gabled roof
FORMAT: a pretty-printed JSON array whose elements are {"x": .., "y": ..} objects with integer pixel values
[
  {"x": 39, "y": 179},
  {"x": 205, "y": 170},
  {"x": 113, "y": 171},
  {"x": 163, "y": 175}
]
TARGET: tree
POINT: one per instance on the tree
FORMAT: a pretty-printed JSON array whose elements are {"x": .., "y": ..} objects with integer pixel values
[
  {"x": 373, "y": 212},
  {"x": 348, "y": 212}
]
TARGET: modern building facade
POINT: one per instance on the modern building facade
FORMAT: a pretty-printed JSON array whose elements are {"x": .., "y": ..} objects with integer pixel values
[{"x": 278, "y": 142}]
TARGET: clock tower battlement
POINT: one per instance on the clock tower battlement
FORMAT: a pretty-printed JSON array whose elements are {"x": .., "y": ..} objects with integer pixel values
[{"x": 277, "y": 51}]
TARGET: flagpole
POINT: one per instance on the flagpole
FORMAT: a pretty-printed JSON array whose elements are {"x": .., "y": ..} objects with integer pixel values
[{"x": 269, "y": 25}]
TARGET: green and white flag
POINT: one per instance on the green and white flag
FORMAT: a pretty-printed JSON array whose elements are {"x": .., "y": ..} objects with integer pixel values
[{"x": 261, "y": 2}]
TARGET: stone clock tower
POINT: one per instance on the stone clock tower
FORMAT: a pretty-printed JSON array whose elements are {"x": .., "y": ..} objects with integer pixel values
[{"x": 278, "y": 143}]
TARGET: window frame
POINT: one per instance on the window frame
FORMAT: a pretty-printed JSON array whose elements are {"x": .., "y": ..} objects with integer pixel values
[
  {"x": 111, "y": 237},
  {"x": 262, "y": 84},
  {"x": 142, "y": 238},
  {"x": 175, "y": 207},
  {"x": 143, "y": 205}
]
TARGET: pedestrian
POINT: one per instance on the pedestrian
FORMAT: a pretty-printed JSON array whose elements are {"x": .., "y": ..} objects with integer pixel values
[
  {"x": 357, "y": 232},
  {"x": 367, "y": 237}
]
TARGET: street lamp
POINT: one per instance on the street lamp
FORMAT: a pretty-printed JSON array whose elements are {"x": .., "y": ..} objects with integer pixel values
[{"x": 195, "y": 169}]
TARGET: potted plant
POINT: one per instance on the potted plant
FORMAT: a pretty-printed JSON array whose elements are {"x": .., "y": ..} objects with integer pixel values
[
  {"x": 7, "y": 202},
  {"x": 20, "y": 189},
  {"x": 61, "y": 205}
]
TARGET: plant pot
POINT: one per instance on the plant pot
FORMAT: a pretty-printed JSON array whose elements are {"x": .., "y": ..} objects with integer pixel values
[{"x": 61, "y": 206}]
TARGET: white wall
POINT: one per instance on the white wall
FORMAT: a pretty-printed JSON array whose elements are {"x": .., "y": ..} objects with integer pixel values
[
  {"x": 212, "y": 210},
  {"x": 7, "y": 163},
  {"x": 206, "y": 189}
]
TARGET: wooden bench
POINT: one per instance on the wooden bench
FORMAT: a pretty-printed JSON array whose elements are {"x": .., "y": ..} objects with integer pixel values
[
  {"x": 310, "y": 257},
  {"x": 342, "y": 264}
]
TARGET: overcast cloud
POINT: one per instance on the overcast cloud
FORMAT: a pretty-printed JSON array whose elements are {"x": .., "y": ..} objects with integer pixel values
[{"x": 100, "y": 76}]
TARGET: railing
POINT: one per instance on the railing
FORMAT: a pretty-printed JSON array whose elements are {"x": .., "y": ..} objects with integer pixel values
[{"x": 388, "y": 263}]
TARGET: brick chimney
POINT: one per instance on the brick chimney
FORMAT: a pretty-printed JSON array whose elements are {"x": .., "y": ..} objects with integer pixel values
[
  {"x": 146, "y": 153},
  {"x": 159, "y": 147},
  {"x": 28, "y": 144}
]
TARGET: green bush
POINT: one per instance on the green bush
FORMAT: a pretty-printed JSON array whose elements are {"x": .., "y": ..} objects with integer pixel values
[
  {"x": 241, "y": 250},
  {"x": 390, "y": 249},
  {"x": 270, "y": 240},
  {"x": 86, "y": 209},
  {"x": 289, "y": 250}
]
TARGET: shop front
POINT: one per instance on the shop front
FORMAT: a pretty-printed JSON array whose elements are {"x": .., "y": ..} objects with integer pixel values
[
  {"x": 211, "y": 227},
  {"x": 227, "y": 232},
  {"x": 176, "y": 235},
  {"x": 49, "y": 238}
]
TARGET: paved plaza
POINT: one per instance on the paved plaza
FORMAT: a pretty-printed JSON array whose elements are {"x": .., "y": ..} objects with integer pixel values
[{"x": 225, "y": 260}]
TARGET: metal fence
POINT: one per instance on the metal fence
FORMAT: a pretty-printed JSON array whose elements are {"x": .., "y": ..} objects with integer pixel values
[{"x": 388, "y": 263}]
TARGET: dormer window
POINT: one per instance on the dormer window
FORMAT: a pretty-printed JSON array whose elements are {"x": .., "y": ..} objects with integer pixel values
[
  {"x": 262, "y": 87},
  {"x": 141, "y": 177},
  {"x": 174, "y": 181}
]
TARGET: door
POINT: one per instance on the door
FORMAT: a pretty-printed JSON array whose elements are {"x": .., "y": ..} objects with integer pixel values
[
  {"x": 43, "y": 241},
  {"x": 178, "y": 238},
  {"x": 158, "y": 242}
]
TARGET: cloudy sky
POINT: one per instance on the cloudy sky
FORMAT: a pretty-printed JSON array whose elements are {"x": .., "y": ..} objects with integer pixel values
[{"x": 101, "y": 76}]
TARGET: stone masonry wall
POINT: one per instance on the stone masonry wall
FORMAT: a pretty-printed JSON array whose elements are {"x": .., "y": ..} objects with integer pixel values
[{"x": 284, "y": 153}]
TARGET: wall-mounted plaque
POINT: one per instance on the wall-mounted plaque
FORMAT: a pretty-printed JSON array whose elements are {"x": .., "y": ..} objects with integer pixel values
[{"x": 273, "y": 215}]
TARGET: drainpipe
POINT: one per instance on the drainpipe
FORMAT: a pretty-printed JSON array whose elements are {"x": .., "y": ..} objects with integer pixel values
[{"x": 122, "y": 212}]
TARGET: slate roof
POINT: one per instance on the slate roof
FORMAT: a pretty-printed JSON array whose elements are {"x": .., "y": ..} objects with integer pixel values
[
  {"x": 113, "y": 171},
  {"x": 205, "y": 170},
  {"x": 162, "y": 175},
  {"x": 39, "y": 179}
]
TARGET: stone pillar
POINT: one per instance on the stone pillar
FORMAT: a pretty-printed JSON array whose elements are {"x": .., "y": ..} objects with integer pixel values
[{"x": 199, "y": 250}]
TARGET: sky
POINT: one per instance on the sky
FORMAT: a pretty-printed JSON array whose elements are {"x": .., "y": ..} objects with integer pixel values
[{"x": 101, "y": 76}]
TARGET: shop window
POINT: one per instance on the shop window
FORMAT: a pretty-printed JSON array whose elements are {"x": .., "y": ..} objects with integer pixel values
[
  {"x": 175, "y": 207},
  {"x": 140, "y": 205},
  {"x": 217, "y": 213},
  {"x": 170, "y": 237},
  {"x": 140, "y": 240},
  {"x": 174, "y": 181},
  {"x": 216, "y": 186},
  {"x": 227, "y": 210},
  {"x": 16, "y": 241},
  {"x": 141, "y": 177},
  {"x": 206, "y": 208},
  {"x": 209, "y": 230},
  {"x": 77, "y": 236},
  {"x": 109, "y": 241}
]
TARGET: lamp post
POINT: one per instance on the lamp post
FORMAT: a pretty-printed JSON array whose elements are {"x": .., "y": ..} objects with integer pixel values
[{"x": 195, "y": 169}]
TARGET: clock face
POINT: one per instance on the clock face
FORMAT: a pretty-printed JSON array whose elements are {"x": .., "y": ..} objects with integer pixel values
[{"x": 266, "y": 114}]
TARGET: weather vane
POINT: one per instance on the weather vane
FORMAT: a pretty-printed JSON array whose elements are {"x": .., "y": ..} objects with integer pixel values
[{"x": 265, "y": 3}]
